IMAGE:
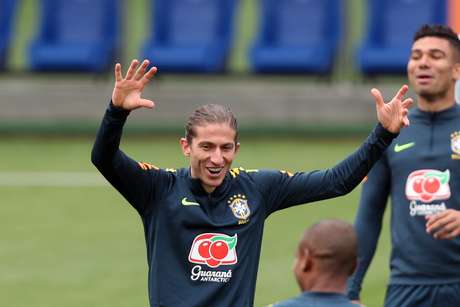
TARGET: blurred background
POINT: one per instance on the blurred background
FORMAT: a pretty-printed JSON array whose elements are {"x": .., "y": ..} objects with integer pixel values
[{"x": 297, "y": 74}]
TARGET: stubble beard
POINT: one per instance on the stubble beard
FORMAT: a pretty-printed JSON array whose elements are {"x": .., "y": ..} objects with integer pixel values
[{"x": 432, "y": 96}]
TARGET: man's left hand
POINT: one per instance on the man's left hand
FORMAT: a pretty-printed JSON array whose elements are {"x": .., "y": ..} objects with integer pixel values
[{"x": 444, "y": 225}]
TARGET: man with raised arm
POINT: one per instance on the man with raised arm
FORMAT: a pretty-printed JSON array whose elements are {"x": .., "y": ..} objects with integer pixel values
[{"x": 203, "y": 224}]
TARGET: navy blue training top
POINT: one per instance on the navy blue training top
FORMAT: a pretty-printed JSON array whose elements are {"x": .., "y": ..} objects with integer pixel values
[
  {"x": 421, "y": 172},
  {"x": 203, "y": 249}
]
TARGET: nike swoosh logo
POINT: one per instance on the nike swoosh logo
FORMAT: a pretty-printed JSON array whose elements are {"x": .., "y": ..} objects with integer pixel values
[
  {"x": 399, "y": 148},
  {"x": 185, "y": 202}
]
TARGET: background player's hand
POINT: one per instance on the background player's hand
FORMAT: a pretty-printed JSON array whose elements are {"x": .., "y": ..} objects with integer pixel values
[
  {"x": 393, "y": 115},
  {"x": 444, "y": 225},
  {"x": 127, "y": 91}
]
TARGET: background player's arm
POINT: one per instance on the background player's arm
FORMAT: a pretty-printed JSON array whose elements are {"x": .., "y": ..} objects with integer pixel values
[{"x": 368, "y": 222}]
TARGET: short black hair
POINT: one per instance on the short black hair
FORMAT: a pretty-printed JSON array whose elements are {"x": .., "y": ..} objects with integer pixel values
[
  {"x": 334, "y": 244},
  {"x": 441, "y": 31}
]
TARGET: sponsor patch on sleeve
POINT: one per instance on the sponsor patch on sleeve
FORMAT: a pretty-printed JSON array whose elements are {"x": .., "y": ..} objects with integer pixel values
[{"x": 147, "y": 166}]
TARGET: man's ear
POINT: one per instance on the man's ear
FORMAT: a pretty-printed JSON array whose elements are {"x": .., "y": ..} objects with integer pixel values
[
  {"x": 237, "y": 147},
  {"x": 457, "y": 71},
  {"x": 185, "y": 146},
  {"x": 306, "y": 260}
]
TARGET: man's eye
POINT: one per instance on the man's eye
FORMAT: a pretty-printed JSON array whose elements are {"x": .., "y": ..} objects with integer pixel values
[
  {"x": 415, "y": 56},
  {"x": 437, "y": 55}
]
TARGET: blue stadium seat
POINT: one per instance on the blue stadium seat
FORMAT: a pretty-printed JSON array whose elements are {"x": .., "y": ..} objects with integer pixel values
[
  {"x": 191, "y": 35},
  {"x": 76, "y": 35},
  {"x": 297, "y": 36},
  {"x": 7, "y": 11},
  {"x": 391, "y": 25}
]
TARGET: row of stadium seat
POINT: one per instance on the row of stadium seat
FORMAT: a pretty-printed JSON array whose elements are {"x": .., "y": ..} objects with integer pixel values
[{"x": 294, "y": 36}]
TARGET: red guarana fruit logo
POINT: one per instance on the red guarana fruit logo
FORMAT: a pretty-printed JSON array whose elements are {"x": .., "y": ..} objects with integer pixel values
[
  {"x": 427, "y": 185},
  {"x": 214, "y": 249}
]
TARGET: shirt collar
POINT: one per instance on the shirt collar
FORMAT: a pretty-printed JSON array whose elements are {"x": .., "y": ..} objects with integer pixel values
[
  {"x": 441, "y": 115},
  {"x": 197, "y": 188}
]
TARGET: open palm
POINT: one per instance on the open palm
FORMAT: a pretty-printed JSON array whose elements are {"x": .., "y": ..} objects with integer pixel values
[
  {"x": 393, "y": 115},
  {"x": 127, "y": 93}
]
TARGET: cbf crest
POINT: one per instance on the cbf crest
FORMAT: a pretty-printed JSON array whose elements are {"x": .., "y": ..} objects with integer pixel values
[
  {"x": 240, "y": 208},
  {"x": 455, "y": 145}
]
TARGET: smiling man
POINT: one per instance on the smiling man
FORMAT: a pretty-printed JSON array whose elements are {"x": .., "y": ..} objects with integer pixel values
[
  {"x": 421, "y": 172},
  {"x": 203, "y": 224},
  {"x": 213, "y": 130}
]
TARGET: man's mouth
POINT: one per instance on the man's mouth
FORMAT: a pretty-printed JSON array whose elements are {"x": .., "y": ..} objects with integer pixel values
[
  {"x": 424, "y": 78},
  {"x": 214, "y": 171}
]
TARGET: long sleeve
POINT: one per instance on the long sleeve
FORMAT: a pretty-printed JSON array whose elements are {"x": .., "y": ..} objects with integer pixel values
[
  {"x": 284, "y": 190},
  {"x": 132, "y": 179},
  {"x": 368, "y": 222}
]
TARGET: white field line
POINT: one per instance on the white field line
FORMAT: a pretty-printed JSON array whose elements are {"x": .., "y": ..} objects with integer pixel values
[{"x": 51, "y": 179}]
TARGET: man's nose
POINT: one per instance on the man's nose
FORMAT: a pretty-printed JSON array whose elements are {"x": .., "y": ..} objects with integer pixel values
[
  {"x": 217, "y": 157},
  {"x": 424, "y": 62}
]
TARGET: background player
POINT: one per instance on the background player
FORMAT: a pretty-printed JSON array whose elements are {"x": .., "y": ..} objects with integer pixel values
[
  {"x": 421, "y": 172},
  {"x": 326, "y": 256}
]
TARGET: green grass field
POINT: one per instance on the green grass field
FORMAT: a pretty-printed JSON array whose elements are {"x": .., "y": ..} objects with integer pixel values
[{"x": 76, "y": 242}]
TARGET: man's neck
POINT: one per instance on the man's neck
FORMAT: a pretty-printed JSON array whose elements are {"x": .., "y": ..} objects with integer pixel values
[
  {"x": 436, "y": 104},
  {"x": 207, "y": 188},
  {"x": 323, "y": 283}
]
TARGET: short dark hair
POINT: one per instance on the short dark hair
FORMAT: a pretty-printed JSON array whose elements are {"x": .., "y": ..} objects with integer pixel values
[
  {"x": 334, "y": 243},
  {"x": 210, "y": 114},
  {"x": 441, "y": 31}
]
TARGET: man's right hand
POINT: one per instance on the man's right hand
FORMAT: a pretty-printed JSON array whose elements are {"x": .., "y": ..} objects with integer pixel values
[{"x": 127, "y": 91}]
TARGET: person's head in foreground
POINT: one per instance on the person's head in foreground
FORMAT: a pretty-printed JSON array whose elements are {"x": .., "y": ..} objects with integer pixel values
[
  {"x": 326, "y": 257},
  {"x": 434, "y": 66},
  {"x": 211, "y": 144}
]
